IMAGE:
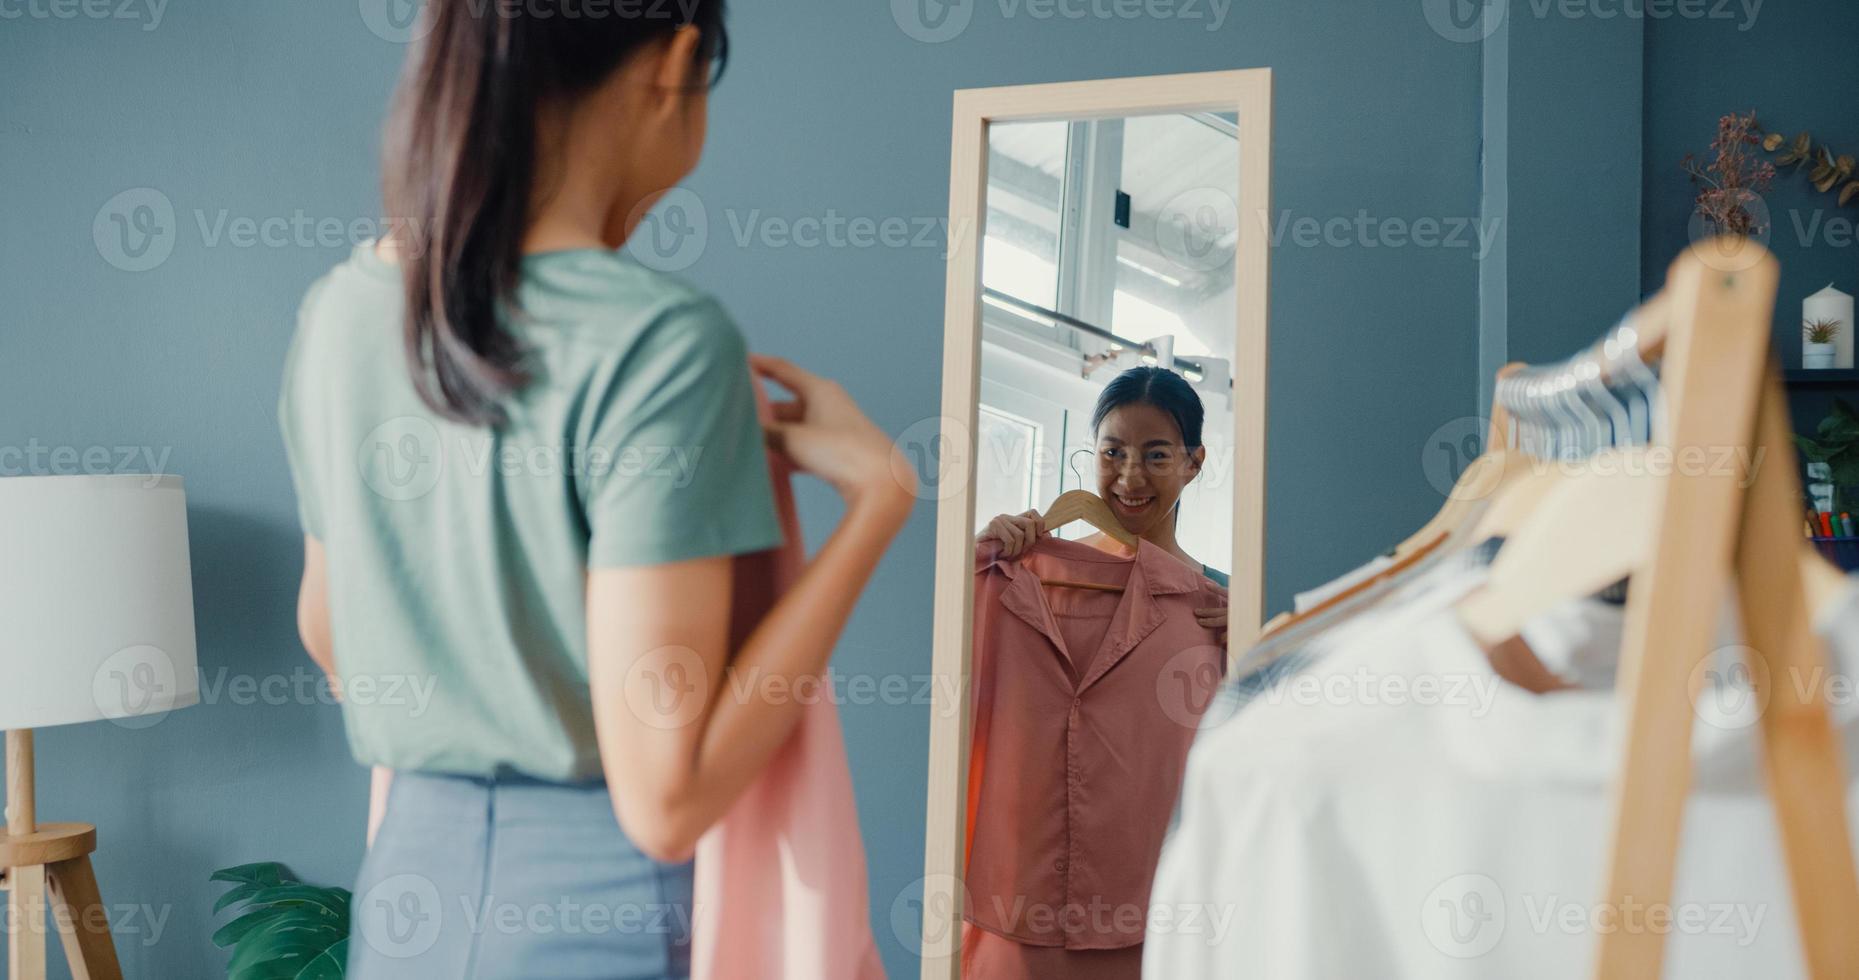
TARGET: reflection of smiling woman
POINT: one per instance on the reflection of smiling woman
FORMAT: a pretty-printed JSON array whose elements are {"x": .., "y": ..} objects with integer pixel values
[
  {"x": 1148, "y": 429},
  {"x": 1091, "y": 668}
]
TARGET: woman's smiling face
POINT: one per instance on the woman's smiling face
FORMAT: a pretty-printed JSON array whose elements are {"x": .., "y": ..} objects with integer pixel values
[{"x": 1142, "y": 465}]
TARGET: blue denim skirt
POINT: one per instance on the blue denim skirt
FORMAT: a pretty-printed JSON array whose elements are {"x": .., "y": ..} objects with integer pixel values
[{"x": 513, "y": 878}]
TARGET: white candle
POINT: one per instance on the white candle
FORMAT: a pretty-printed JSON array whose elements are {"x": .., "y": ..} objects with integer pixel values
[{"x": 1831, "y": 304}]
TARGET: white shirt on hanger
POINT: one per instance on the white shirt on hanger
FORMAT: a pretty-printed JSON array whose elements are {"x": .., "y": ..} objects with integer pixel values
[{"x": 1393, "y": 810}]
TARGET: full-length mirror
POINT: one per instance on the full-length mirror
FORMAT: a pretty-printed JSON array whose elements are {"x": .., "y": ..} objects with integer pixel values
[{"x": 1107, "y": 350}]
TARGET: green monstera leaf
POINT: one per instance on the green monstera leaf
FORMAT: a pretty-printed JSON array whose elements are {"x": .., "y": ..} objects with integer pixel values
[{"x": 283, "y": 929}]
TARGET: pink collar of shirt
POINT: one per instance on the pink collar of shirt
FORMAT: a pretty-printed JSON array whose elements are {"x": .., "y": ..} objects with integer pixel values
[{"x": 1153, "y": 573}]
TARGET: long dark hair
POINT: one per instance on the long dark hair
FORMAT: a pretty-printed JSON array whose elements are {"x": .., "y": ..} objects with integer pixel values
[
  {"x": 1158, "y": 386},
  {"x": 461, "y": 161}
]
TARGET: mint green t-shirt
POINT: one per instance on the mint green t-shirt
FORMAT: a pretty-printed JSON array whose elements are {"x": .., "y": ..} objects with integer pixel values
[{"x": 457, "y": 554}]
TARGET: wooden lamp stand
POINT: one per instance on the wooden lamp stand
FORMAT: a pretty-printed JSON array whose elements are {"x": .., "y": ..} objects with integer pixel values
[{"x": 41, "y": 860}]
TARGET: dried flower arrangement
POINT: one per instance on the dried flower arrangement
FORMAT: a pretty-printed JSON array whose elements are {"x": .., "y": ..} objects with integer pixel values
[
  {"x": 1829, "y": 171},
  {"x": 1734, "y": 181}
]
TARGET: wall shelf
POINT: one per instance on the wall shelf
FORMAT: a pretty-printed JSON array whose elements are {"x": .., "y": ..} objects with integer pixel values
[{"x": 1821, "y": 377}]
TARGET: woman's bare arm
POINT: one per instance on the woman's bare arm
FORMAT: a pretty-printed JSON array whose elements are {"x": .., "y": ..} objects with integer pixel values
[
  {"x": 313, "y": 629},
  {"x": 679, "y": 738}
]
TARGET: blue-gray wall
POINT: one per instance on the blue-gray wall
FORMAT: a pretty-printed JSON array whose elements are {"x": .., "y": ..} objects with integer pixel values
[
  {"x": 268, "y": 110},
  {"x": 1574, "y": 167},
  {"x": 1560, "y": 181},
  {"x": 1796, "y": 67}
]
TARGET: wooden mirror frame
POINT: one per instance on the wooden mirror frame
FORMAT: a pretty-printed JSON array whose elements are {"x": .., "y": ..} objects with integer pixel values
[{"x": 1247, "y": 92}]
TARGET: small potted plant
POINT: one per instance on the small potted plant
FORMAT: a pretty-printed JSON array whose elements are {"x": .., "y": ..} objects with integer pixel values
[
  {"x": 1832, "y": 457},
  {"x": 1817, "y": 342}
]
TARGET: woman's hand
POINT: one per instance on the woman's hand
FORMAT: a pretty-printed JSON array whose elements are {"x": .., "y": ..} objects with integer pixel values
[
  {"x": 824, "y": 433},
  {"x": 1213, "y": 618},
  {"x": 1015, "y": 532}
]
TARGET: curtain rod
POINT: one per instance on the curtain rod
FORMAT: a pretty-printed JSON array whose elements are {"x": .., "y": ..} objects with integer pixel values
[{"x": 1186, "y": 363}]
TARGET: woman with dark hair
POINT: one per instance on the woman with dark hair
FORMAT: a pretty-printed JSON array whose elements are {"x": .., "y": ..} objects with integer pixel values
[
  {"x": 523, "y": 466},
  {"x": 1147, "y": 428}
]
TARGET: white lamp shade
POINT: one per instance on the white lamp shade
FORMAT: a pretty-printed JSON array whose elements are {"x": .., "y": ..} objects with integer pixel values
[{"x": 96, "y": 600}]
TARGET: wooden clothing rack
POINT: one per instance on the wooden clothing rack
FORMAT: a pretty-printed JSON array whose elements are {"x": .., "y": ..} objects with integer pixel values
[{"x": 1720, "y": 533}]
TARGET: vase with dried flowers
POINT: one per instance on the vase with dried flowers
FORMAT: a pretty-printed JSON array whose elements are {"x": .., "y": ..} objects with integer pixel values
[
  {"x": 1732, "y": 184},
  {"x": 1817, "y": 338}
]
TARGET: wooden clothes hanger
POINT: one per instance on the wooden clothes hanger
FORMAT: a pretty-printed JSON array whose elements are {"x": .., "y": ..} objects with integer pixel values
[
  {"x": 1688, "y": 536},
  {"x": 1083, "y": 505},
  {"x": 1494, "y": 469},
  {"x": 1059, "y": 583},
  {"x": 1402, "y": 565}
]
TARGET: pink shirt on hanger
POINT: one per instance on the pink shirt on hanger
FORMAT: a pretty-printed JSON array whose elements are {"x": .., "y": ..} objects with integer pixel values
[
  {"x": 1085, "y": 705},
  {"x": 780, "y": 889}
]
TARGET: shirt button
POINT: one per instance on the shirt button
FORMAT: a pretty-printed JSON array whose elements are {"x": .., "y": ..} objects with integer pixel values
[
  {"x": 1059, "y": 865},
  {"x": 1077, "y": 701}
]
